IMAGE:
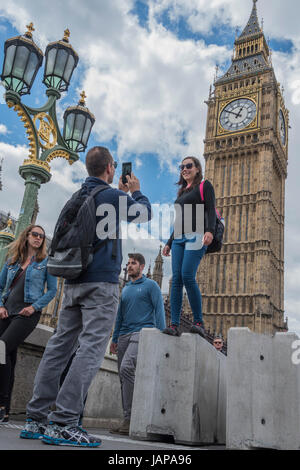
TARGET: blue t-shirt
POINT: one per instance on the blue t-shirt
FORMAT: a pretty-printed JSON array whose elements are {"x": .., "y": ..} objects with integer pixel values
[{"x": 141, "y": 306}]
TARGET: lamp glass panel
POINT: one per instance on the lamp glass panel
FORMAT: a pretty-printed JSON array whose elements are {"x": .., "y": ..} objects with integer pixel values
[
  {"x": 61, "y": 59},
  {"x": 31, "y": 68},
  {"x": 9, "y": 58},
  {"x": 87, "y": 131},
  {"x": 51, "y": 55},
  {"x": 20, "y": 61},
  {"x": 73, "y": 145},
  {"x": 69, "y": 126},
  {"x": 16, "y": 84},
  {"x": 56, "y": 81},
  {"x": 69, "y": 68},
  {"x": 79, "y": 127}
]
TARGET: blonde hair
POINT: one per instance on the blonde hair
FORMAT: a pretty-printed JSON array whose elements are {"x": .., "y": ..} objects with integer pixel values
[{"x": 17, "y": 250}]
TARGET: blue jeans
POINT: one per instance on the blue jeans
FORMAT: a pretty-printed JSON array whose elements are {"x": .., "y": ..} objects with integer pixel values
[{"x": 186, "y": 256}]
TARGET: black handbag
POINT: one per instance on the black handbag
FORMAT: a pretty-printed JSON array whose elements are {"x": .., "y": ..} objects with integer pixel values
[{"x": 217, "y": 242}]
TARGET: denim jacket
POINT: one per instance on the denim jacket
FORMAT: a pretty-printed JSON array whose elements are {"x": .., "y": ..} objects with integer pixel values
[{"x": 36, "y": 278}]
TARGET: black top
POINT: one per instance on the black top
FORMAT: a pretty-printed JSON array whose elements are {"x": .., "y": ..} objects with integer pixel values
[
  {"x": 15, "y": 301},
  {"x": 192, "y": 198}
]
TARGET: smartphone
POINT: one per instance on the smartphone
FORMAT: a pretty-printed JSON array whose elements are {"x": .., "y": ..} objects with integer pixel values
[{"x": 126, "y": 170}]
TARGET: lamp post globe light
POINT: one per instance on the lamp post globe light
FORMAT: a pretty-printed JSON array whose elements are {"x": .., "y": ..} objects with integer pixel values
[{"x": 22, "y": 60}]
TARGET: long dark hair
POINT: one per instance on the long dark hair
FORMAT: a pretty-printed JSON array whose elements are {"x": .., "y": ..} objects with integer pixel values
[
  {"x": 17, "y": 251},
  {"x": 197, "y": 180}
]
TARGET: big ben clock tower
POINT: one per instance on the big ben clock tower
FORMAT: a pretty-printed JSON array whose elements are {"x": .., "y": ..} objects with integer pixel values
[{"x": 246, "y": 153}]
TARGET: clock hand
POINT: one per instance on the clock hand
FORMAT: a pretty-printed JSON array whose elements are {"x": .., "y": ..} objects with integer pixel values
[
  {"x": 239, "y": 115},
  {"x": 232, "y": 113}
]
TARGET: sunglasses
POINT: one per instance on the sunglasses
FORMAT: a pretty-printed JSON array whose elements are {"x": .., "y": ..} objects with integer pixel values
[
  {"x": 37, "y": 235},
  {"x": 188, "y": 166},
  {"x": 217, "y": 342},
  {"x": 115, "y": 164}
]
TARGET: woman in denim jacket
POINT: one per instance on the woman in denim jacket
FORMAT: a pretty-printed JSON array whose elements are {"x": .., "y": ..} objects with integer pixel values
[{"x": 22, "y": 297}]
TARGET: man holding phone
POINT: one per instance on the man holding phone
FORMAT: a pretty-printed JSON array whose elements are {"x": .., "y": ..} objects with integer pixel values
[{"x": 87, "y": 315}]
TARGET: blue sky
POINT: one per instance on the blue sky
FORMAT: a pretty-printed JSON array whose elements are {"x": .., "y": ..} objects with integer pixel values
[{"x": 146, "y": 67}]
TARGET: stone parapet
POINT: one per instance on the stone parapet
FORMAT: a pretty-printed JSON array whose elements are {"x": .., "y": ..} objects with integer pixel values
[
  {"x": 180, "y": 390},
  {"x": 263, "y": 390}
]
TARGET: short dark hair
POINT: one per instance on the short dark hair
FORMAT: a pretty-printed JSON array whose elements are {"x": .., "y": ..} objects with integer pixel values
[
  {"x": 218, "y": 337},
  {"x": 97, "y": 160},
  {"x": 137, "y": 257}
]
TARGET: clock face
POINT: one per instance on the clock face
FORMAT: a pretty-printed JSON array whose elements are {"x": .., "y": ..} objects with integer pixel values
[
  {"x": 238, "y": 114},
  {"x": 282, "y": 128}
]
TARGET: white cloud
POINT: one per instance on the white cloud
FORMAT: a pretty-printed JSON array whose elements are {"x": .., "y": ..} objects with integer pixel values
[
  {"x": 3, "y": 129},
  {"x": 146, "y": 88},
  {"x": 52, "y": 196}
]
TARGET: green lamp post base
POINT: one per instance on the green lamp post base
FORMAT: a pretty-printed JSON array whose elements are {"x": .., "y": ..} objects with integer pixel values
[{"x": 34, "y": 176}]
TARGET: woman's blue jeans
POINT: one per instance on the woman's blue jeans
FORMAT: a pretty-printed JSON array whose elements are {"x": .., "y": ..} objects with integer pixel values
[{"x": 187, "y": 253}]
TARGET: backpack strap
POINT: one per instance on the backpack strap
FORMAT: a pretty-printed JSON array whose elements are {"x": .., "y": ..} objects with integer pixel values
[
  {"x": 98, "y": 189},
  {"x": 202, "y": 190}
]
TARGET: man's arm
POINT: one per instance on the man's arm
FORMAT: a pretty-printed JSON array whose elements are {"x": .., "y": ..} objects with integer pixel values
[
  {"x": 138, "y": 207},
  {"x": 118, "y": 324},
  {"x": 159, "y": 309}
]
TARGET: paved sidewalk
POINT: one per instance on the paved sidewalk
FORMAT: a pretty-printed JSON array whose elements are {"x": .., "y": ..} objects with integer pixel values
[{"x": 9, "y": 440}]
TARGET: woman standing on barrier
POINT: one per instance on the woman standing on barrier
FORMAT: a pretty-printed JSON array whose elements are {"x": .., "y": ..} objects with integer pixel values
[
  {"x": 189, "y": 245},
  {"x": 22, "y": 298}
]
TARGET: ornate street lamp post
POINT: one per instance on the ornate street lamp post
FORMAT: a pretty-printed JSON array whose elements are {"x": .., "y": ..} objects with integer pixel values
[{"x": 22, "y": 61}]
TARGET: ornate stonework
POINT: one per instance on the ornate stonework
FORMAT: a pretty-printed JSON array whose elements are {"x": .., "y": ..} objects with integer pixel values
[{"x": 243, "y": 285}]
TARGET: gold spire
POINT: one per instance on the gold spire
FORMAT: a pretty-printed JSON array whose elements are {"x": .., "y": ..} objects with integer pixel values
[
  {"x": 83, "y": 98},
  {"x": 66, "y": 35},
  {"x": 30, "y": 30}
]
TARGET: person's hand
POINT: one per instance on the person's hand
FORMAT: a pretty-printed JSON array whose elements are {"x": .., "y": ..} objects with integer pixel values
[
  {"x": 166, "y": 250},
  {"x": 3, "y": 313},
  {"x": 123, "y": 187},
  {"x": 208, "y": 238},
  {"x": 133, "y": 183},
  {"x": 27, "y": 311},
  {"x": 113, "y": 348}
]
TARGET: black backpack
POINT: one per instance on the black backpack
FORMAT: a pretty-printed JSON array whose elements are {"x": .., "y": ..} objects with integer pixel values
[
  {"x": 72, "y": 247},
  {"x": 217, "y": 242}
]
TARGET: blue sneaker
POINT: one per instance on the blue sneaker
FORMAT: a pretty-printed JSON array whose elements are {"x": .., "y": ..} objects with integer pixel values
[
  {"x": 33, "y": 430},
  {"x": 60, "y": 435}
]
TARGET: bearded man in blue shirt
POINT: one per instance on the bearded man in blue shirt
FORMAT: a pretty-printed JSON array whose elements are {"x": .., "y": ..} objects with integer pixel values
[{"x": 141, "y": 306}]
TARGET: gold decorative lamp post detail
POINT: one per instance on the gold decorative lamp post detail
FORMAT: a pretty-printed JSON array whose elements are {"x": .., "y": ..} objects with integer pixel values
[{"x": 22, "y": 60}]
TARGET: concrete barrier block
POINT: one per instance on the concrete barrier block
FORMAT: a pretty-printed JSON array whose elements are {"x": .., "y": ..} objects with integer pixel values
[
  {"x": 263, "y": 391},
  {"x": 40, "y": 335},
  {"x": 179, "y": 388}
]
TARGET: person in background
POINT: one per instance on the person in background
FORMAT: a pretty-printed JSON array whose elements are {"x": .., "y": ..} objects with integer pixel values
[
  {"x": 141, "y": 306},
  {"x": 218, "y": 343},
  {"x": 22, "y": 297}
]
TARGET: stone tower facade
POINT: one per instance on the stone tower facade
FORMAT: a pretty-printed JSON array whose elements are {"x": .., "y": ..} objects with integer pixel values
[
  {"x": 157, "y": 274},
  {"x": 246, "y": 153}
]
